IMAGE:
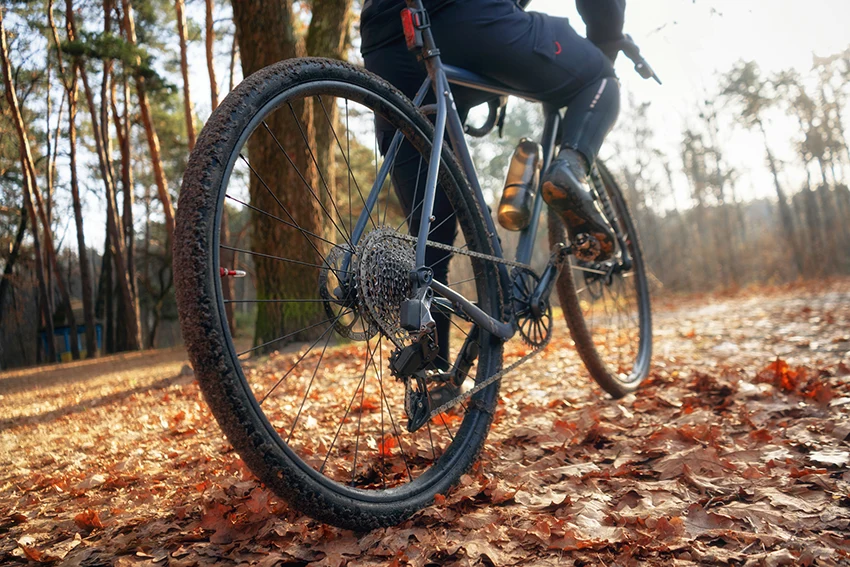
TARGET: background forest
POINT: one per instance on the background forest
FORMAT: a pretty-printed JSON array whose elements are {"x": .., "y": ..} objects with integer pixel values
[{"x": 102, "y": 102}]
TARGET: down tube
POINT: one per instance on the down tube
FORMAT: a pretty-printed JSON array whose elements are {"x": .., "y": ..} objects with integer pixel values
[{"x": 529, "y": 234}]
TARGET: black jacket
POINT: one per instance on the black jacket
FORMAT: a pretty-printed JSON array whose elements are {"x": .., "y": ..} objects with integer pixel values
[{"x": 380, "y": 23}]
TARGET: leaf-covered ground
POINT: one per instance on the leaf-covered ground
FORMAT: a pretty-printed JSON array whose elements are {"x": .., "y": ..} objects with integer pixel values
[{"x": 735, "y": 452}]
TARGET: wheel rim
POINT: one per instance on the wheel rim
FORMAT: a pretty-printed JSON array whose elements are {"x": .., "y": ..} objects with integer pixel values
[
  {"x": 615, "y": 302},
  {"x": 365, "y": 465}
]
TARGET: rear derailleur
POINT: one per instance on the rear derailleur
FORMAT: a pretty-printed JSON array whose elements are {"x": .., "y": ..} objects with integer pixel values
[{"x": 414, "y": 364}]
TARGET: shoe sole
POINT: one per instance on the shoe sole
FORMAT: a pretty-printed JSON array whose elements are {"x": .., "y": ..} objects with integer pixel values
[{"x": 564, "y": 204}]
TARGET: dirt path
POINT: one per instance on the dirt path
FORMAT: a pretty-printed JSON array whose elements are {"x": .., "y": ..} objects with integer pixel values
[{"x": 736, "y": 452}]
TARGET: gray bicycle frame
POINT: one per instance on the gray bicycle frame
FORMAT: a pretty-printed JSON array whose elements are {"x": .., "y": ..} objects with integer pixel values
[{"x": 440, "y": 76}]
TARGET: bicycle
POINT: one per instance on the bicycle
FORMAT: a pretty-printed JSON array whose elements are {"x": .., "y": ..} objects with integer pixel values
[{"x": 364, "y": 306}]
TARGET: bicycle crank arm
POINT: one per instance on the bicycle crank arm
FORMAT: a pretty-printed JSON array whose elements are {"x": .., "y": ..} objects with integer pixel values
[
  {"x": 540, "y": 296},
  {"x": 493, "y": 326}
]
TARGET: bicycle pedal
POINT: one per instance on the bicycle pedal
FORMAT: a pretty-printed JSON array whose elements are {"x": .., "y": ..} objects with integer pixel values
[{"x": 586, "y": 247}]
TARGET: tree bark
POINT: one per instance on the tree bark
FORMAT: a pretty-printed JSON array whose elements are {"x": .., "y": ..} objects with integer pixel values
[
  {"x": 150, "y": 130},
  {"x": 265, "y": 34},
  {"x": 31, "y": 187},
  {"x": 233, "y": 47},
  {"x": 122, "y": 129},
  {"x": 326, "y": 37},
  {"x": 179, "y": 8}
]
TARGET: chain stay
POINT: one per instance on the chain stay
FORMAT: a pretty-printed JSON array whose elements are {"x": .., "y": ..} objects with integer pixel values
[
  {"x": 497, "y": 376},
  {"x": 480, "y": 386}
]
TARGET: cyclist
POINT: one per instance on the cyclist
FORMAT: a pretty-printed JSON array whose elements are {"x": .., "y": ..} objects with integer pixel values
[{"x": 527, "y": 51}]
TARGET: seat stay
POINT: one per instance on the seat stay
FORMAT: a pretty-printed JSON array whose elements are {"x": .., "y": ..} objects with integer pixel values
[{"x": 381, "y": 177}]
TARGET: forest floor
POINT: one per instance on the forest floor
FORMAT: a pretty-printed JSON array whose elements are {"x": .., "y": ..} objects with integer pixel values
[{"x": 734, "y": 452}]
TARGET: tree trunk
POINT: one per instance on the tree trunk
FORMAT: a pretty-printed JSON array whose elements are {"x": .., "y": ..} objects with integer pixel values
[
  {"x": 85, "y": 272},
  {"x": 233, "y": 47},
  {"x": 12, "y": 259},
  {"x": 128, "y": 186},
  {"x": 134, "y": 341},
  {"x": 785, "y": 215},
  {"x": 265, "y": 34},
  {"x": 122, "y": 128},
  {"x": 326, "y": 37},
  {"x": 31, "y": 187},
  {"x": 45, "y": 293},
  {"x": 210, "y": 41},
  {"x": 179, "y": 8},
  {"x": 150, "y": 131}
]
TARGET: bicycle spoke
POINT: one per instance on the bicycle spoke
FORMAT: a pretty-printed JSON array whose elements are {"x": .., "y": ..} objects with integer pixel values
[
  {"x": 347, "y": 409},
  {"x": 306, "y": 183},
  {"x": 347, "y": 159},
  {"x": 295, "y": 226},
  {"x": 312, "y": 244},
  {"x": 277, "y": 301},
  {"x": 309, "y": 386},
  {"x": 300, "y": 358},
  {"x": 288, "y": 260},
  {"x": 292, "y": 334},
  {"x": 319, "y": 170}
]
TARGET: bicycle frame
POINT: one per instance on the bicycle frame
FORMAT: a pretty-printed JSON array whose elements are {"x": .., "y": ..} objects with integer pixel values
[{"x": 440, "y": 77}]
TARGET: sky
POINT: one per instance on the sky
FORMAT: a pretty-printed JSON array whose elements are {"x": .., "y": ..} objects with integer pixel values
[{"x": 689, "y": 43}]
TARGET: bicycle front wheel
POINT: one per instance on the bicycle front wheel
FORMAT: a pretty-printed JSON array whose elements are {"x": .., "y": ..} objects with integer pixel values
[
  {"x": 305, "y": 395},
  {"x": 606, "y": 304}
]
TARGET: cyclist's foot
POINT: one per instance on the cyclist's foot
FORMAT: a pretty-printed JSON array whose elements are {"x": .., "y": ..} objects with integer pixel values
[{"x": 566, "y": 191}]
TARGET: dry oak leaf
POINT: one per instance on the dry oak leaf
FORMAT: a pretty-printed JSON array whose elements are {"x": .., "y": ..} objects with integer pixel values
[
  {"x": 698, "y": 521},
  {"x": 88, "y": 520},
  {"x": 540, "y": 500},
  {"x": 781, "y": 375}
]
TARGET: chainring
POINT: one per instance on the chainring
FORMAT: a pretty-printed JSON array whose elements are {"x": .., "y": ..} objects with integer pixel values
[
  {"x": 342, "y": 293},
  {"x": 535, "y": 330}
]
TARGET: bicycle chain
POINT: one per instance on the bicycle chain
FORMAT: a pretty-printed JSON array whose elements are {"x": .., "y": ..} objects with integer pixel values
[
  {"x": 463, "y": 396},
  {"x": 498, "y": 375},
  {"x": 448, "y": 248}
]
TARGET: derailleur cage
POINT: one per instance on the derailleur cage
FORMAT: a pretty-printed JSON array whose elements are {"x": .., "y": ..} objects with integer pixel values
[{"x": 416, "y": 357}]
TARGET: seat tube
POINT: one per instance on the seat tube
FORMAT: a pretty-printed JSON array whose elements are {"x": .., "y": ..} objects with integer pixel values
[{"x": 529, "y": 234}]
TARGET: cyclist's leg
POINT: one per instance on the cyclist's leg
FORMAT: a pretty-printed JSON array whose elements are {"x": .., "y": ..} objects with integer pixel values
[
  {"x": 537, "y": 53},
  {"x": 544, "y": 55}
]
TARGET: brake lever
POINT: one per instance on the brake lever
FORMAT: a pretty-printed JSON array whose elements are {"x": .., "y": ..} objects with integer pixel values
[{"x": 631, "y": 50}]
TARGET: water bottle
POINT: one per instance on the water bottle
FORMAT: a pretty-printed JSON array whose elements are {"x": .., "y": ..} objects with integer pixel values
[{"x": 520, "y": 186}]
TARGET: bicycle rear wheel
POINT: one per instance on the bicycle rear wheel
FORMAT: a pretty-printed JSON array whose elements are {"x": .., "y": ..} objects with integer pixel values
[
  {"x": 607, "y": 304},
  {"x": 310, "y": 404}
]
